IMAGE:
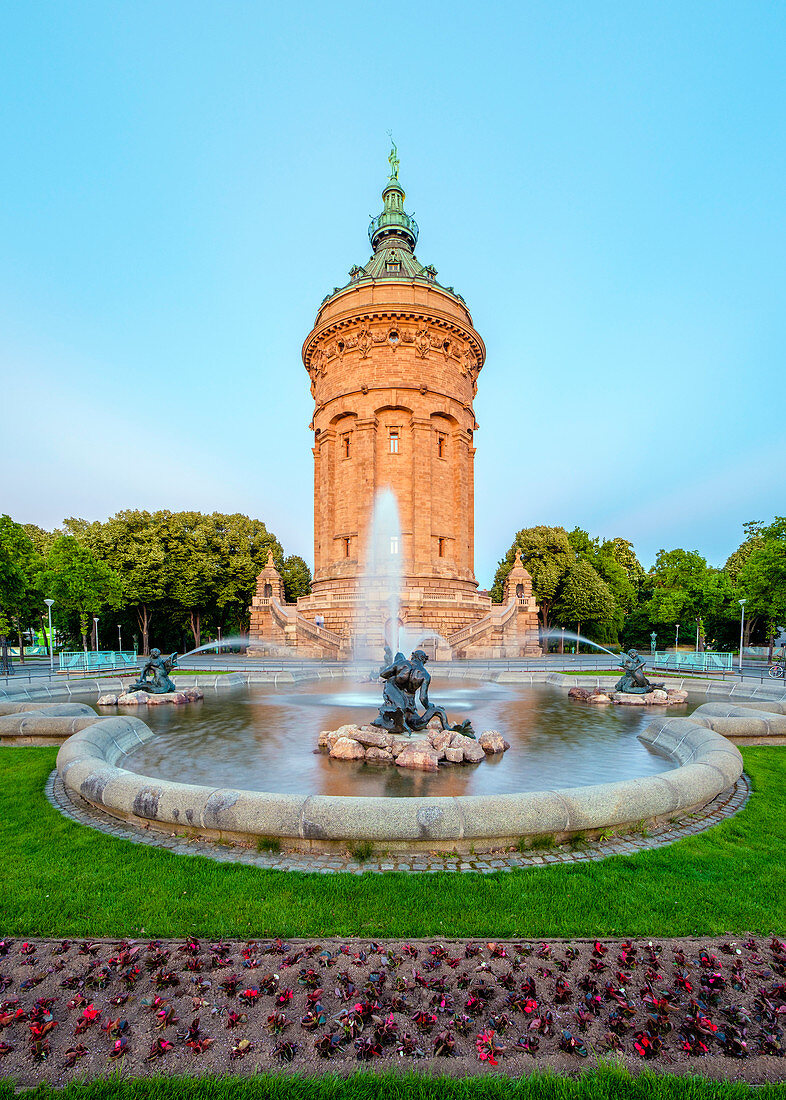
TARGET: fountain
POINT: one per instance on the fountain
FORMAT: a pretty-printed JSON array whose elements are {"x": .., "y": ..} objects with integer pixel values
[
  {"x": 633, "y": 688},
  {"x": 154, "y": 686}
]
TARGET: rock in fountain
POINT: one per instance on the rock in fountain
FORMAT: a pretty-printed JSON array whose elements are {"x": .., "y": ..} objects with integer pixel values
[{"x": 387, "y": 740}]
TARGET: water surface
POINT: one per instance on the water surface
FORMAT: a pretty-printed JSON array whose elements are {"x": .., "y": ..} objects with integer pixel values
[{"x": 262, "y": 738}]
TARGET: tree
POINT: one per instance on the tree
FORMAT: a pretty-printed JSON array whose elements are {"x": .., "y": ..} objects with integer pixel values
[
  {"x": 79, "y": 582},
  {"x": 296, "y": 576},
  {"x": 762, "y": 577},
  {"x": 19, "y": 566},
  {"x": 131, "y": 544},
  {"x": 550, "y": 554},
  {"x": 240, "y": 545},
  {"x": 686, "y": 589},
  {"x": 585, "y": 598},
  {"x": 547, "y": 555}
]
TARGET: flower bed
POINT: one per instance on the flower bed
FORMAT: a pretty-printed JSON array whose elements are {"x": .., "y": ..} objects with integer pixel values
[{"x": 79, "y": 1008}]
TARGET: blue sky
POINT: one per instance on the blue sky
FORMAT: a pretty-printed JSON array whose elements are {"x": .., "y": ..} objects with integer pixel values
[{"x": 603, "y": 182}]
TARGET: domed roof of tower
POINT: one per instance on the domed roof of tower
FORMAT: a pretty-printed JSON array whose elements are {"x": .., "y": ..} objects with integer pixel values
[{"x": 393, "y": 234}]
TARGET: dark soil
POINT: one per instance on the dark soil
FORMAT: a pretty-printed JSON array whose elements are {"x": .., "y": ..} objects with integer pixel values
[{"x": 458, "y": 1007}]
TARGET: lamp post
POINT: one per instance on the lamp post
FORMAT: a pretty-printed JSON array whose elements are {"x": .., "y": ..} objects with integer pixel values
[
  {"x": 677, "y": 642},
  {"x": 742, "y": 629},
  {"x": 95, "y": 624},
  {"x": 219, "y": 639},
  {"x": 51, "y": 654},
  {"x": 119, "y": 640}
]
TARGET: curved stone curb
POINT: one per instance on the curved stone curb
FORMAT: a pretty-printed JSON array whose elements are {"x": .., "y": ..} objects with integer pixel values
[
  {"x": 724, "y": 805},
  {"x": 89, "y": 765}
]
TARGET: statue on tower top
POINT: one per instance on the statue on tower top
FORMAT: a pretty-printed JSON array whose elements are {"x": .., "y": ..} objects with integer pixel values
[{"x": 393, "y": 160}]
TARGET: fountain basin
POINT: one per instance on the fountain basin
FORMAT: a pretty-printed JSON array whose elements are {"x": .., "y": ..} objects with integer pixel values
[{"x": 91, "y": 762}]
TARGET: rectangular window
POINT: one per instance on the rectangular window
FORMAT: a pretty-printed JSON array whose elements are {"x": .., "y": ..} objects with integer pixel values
[
  {"x": 441, "y": 441},
  {"x": 394, "y": 544},
  {"x": 393, "y": 441},
  {"x": 441, "y": 548},
  {"x": 345, "y": 438},
  {"x": 346, "y": 548}
]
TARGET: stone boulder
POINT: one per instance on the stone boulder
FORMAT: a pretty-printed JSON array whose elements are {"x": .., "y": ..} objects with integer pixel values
[
  {"x": 580, "y": 694},
  {"x": 107, "y": 700},
  {"x": 419, "y": 755},
  {"x": 454, "y": 756},
  {"x": 599, "y": 697},
  {"x": 346, "y": 748},
  {"x": 676, "y": 695},
  {"x": 624, "y": 699},
  {"x": 133, "y": 699},
  {"x": 176, "y": 698},
  {"x": 193, "y": 694},
  {"x": 373, "y": 738},
  {"x": 376, "y": 755},
  {"x": 492, "y": 741},
  {"x": 440, "y": 739},
  {"x": 471, "y": 751}
]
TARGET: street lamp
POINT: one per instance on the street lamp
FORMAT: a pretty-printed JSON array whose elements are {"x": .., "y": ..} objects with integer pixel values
[
  {"x": 742, "y": 628},
  {"x": 119, "y": 640},
  {"x": 677, "y": 642},
  {"x": 51, "y": 654},
  {"x": 219, "y": 639},
  {"x": 95, "y": 624}
]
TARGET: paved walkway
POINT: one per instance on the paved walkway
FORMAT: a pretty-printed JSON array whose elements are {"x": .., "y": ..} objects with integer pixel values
[{"x": 726, "y": 804}]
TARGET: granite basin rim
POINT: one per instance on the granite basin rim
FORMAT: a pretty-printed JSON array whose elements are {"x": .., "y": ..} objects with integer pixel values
[{"x": 90, "y": 766}]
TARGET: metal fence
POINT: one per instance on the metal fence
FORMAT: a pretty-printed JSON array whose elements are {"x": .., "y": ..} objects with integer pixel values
[
  {"x": 102, "y": 661},
  {"x": 708, "y": 661}
]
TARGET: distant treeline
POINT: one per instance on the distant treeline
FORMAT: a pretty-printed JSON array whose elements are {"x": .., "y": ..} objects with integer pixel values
[
  {"x": 600, "y": 590},
  {"x": 164, "y": 578},
  {"x": 173, "y": 578}
]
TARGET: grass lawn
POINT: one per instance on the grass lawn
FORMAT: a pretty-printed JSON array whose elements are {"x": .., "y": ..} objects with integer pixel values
[
  {"x": 605, "y": 1083},
  {"x": 66, "y": 880}
]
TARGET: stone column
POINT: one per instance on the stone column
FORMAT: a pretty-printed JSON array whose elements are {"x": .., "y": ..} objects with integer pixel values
[
  {"x": 363, "y": 484},
  {"x": 327, "y": 447},
  {"x": 422, "y": 435}
]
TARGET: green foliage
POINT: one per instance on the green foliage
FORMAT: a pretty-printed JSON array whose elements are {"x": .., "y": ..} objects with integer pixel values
[
  {"x": 19, "y": 566},
  {"x": 577, "y": 579},
  {"x": 296, "y": 576},
  {"x": 584, "y": 597},
  {"x": 688, "y": 591},
  {"x": 79, "y": 582},
  {"x": 762, "y": 576},
  {"x": 183, "y": 569}
]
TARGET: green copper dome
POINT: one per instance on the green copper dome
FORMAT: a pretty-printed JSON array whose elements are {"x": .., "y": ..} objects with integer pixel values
[{"x": 393, "y": 234}]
